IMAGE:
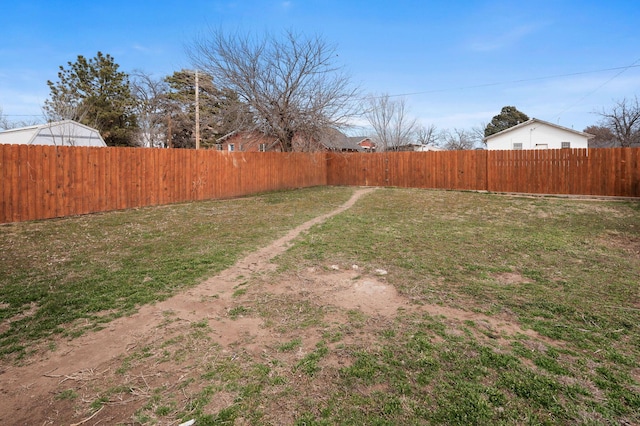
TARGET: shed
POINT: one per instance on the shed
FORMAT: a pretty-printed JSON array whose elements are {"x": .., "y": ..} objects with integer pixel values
[
  {"x": 537, "y": 134},
  {"x": 60, "y": 133}
]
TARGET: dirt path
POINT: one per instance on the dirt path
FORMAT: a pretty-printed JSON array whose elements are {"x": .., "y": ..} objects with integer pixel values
[{"x": 20, "y": 386}]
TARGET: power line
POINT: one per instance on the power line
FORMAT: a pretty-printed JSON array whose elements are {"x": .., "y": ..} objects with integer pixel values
[
  {"x": 622, "y": 69},
  {"x": 524, "y": 80},
  {"x": 23, "y": 115}
]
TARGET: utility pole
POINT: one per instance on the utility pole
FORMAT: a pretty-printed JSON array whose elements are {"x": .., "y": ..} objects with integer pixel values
[
  {"x": 197, "y": 113},
  {"x": 169, "y": 138}
]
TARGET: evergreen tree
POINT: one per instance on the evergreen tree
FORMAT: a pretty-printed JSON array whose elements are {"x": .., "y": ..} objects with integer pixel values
[
  {"x": 221, "y": 111},
  {"x": 509, "y": 116},
  {"x": 93, "y": 92}
]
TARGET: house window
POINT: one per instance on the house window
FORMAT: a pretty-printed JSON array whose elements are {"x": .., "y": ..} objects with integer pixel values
[
  {"x": 262, "y": 147},
  {"x": 517, "y": 146},
  {"x": 542, "y": 146},
  {"x": 232, "y": 147},
  {"x": 219, "y": 147},
  {"x": 565, "y": 145}
]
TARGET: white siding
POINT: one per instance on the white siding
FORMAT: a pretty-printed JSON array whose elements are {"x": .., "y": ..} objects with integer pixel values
[
  {"x": 63, "y": 133},
  {"x": 537, "y": 135}
]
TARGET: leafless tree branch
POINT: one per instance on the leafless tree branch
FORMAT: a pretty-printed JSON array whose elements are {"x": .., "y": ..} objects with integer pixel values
[
  {"x": 390, "y": 121},
  {"x": 291, "y": 83},
  {"x": 623, "y": 120}
]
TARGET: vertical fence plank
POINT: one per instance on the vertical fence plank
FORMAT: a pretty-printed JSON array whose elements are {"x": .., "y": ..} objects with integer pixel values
[
  {"x": 634, "y": 175},
  {"x": 59, "y": 192},
  {"x": 8, "y": 182},
  {"x": 21, "y": 196},
  {"x": 36, "y": 174},
  {"x": 30, "y": 175},
  {"x": 50, "y": 162},
  {"x": 612, "y": 172},
  {"x": 80, "y": 181},
  {"x": 112, "y": 180},
  {"x": 4, "y": 184}
]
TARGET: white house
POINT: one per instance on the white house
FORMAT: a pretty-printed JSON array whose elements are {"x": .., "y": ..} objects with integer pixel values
[
  {"x": 60, "y": 133},
  {"x": 537, "y": 134},
  {"x": 418, "y": 147}
]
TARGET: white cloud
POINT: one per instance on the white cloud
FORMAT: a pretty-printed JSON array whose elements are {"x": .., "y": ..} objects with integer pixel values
[
  {"x": 505, "y": 39},
  {"x": 140, "y": 48}
]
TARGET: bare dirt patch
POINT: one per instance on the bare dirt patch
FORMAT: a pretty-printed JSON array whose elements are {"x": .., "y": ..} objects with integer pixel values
[
  {"x": 344, "y": 289},
  {"x": 627, "y": 243},
  {"x": 509, "y": 278}
]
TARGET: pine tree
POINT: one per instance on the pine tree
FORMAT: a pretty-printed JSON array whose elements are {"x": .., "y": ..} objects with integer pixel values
[
  {"x": 93, "y": 92},
  {"x": 509, "y": 116}
]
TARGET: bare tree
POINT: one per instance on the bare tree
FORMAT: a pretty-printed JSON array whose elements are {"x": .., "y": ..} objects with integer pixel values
[
  {"x": 65, "y": 108},
  {"x": 390, "y": 121},
  {"x": 477, "y": 134},
  {"x": 150, "y": 94},
  {"x": 623, "y": 120},
  {"x": 427, "y": 135},
  {"x": 291, "y": 83},
  {"x": 603, "y": 137},
  {"x": 458, "y": 139},
  {"x": 4, "y": 122}
]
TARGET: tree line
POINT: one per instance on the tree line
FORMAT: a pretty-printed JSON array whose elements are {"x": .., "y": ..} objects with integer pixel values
[{"x": 284, "y": 86}]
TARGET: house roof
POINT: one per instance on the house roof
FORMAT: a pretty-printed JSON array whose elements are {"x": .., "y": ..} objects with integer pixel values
[
  {"x": 536, "y": 120},
  {"x": 31, "y": 135},
  {"x": 334, "y": 139},
  {"x": 330, "y": 138},
  {"x": 358, "y": 139}
]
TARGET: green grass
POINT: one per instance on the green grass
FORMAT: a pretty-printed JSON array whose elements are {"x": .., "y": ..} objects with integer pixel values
[
  {"x": 309, "y": 364},
  {"x": 563, "y": 274}
]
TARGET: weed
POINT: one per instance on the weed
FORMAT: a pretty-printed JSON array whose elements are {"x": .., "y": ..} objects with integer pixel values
[
  {"x": 239, "y": 292},
  {"x": 309, "y": 364},
  {"x": 68, "y": 394},
  {"x": 238, "y": 311},
  {"x": 289, "y": 346}
]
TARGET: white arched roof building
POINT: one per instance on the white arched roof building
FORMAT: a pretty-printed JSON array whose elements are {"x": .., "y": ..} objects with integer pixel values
[{"x": 60, "y": 133}]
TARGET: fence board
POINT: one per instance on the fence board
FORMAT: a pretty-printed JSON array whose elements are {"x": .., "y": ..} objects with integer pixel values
[
  {"x": 23, "y": 183},
  {"x": 11, "y": 164},
  {"x": 36, "y": 174},
  {"x": 8, "y": 183},
  {"x": 4, "y": 185}
]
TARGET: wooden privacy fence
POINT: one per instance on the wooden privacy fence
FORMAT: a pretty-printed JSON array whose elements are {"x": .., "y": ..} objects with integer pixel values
[
  {"x": 435, "y": 169},
  {"x": 39, "y": 182},
  {"x": 601, "y": 172}
]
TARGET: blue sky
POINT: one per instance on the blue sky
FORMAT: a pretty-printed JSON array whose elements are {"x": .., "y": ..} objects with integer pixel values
[{"x": 458, "y": 62}]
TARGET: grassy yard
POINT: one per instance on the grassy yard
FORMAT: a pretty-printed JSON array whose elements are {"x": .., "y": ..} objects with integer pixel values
[
  {"x": 560, "y": 276},
  {"x": 577, "y": 265}
]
